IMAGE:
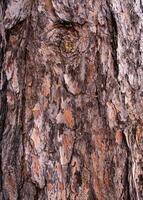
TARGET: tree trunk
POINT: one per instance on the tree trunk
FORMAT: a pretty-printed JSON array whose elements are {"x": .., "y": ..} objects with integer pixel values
[{"x": 71, "y": 100}]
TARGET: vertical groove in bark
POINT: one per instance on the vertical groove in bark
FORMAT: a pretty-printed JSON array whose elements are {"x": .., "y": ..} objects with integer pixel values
[
  {"x": 3, "y": 112},
  {"x": 114, "y": 40},
  {"x": 3, "y": 87}
]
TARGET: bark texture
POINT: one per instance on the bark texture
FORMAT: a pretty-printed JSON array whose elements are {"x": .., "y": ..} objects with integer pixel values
[{"x": 71, "y": 100}]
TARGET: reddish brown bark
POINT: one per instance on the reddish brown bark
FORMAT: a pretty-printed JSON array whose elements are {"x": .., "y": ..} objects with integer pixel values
[{"x": 71, "y": 100}]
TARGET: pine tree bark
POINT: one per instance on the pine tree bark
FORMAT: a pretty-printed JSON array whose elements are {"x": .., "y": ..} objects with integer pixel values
[{"x": 71, "y": 100}]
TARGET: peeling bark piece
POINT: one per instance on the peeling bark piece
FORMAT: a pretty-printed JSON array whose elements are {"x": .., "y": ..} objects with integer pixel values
[
  {"x": 66, "y": 141},
  {"x": 35, "y": 136},
  {"x": 72, "y": 86},
  {"x": 68, "y": 118}
]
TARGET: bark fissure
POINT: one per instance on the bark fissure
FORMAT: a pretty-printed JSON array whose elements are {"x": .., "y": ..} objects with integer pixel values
[
  {"x": 3, "y": 88},
  {"x": 114, "y": 40}
]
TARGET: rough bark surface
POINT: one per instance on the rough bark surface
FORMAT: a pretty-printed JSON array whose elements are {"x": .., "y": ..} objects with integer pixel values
[{"x": 71, "y": 100}]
